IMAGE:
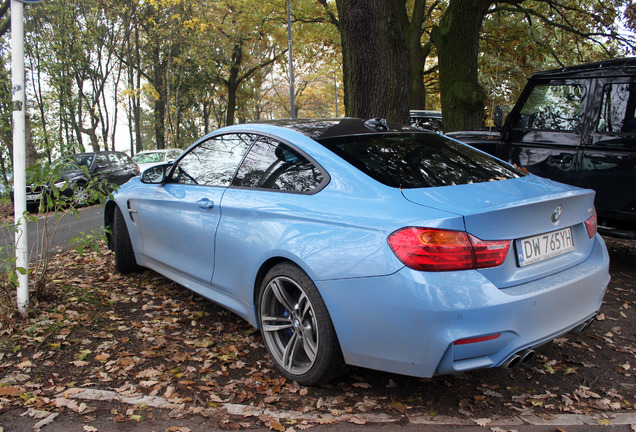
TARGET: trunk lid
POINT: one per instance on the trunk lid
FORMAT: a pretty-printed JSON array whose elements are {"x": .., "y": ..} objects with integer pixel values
[{"x": 517, "y": 209}]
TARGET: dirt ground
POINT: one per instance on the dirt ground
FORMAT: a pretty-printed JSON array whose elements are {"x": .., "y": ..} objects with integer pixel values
[{"x": 145, "y": 348}]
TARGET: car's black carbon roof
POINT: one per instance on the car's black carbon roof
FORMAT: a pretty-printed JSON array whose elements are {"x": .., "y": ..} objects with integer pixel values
[{"x": 319, "y": 129}]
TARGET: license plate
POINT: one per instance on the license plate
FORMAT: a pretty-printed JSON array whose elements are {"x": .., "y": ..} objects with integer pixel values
[
  {"x": 544, "y": 246},
  {"x": 33, "y": 197}
]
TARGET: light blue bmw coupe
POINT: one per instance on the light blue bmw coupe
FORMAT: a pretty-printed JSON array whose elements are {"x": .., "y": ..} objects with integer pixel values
[{"x": 352, "y": 242}]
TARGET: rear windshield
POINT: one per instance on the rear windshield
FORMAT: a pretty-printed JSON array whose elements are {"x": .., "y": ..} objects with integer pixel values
[{"x": 416, "y": 160}]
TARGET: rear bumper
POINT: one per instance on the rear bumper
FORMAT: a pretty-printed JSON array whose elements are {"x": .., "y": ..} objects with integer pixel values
[{"x": 407, "y": 322}]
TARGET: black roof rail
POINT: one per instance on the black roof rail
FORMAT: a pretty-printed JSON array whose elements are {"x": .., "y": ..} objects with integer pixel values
[{"x": 599, "y": 68}]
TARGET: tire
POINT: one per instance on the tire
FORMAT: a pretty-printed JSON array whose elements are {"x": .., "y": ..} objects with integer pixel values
[
  {"x": 296, "y": 327},
  {"x": 124, "y": 254},
  {"x": 80, "y": 194}
]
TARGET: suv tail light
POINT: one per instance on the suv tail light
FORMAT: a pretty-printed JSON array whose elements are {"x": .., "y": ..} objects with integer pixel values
[
  {"x": 592, "y": 224},
  {"x": 430, "y": 249}
]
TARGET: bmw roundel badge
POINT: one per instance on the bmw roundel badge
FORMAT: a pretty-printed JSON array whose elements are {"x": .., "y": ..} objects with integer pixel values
[{"x": 556, "y": 214}]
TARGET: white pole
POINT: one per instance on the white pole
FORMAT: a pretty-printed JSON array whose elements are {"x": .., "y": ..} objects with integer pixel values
[{"x": 19, "y": 152}]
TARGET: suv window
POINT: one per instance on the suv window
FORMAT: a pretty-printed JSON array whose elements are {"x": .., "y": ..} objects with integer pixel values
[
  {"x": 551, "y": 107},
  {"x": 78, "y": 160},
  {"x": 213, "y": 162},
  {"x": 273, "y": 165},
  {"x": 419, "y": 160},
  {"x": 618, "y": 108},
  {"x": 101, "y": 161},
  {"x": 116, "y": 159}
]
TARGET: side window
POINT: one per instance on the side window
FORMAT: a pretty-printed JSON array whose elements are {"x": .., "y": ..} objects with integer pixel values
[
  {"x": 213, "y": 162},
  {"x": 115, "y": 159},
  {"x": 101, "y": 161},
  {"x": 273, "y": 165},
  {"x": 551, "y": 107},
  {"x": 618, "y": 108}
]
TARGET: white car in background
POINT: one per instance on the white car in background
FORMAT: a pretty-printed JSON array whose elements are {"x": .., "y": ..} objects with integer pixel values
[{"x": 148, "y": 158}]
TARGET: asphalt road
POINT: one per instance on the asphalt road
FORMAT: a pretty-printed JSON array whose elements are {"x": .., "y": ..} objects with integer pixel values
[{"x": 91, "y": 218}]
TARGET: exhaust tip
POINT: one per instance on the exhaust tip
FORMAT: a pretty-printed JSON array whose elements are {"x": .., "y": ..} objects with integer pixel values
[
  {"x": 583, "y": 326},
  {"x": 518, "y": 359},
  {"x": 512, "y": 362},
  {"x": 526, "y": 356}
]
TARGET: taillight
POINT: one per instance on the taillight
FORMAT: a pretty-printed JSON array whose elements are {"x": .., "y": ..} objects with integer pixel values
[
  {"x": 592, "y": 224},
  {"x": 431, "y": 249},
  {"x": 489, "y": 253},
  {"x": 468, "y": 341}
]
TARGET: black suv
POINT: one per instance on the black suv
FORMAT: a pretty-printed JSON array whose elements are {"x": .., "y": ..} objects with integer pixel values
[
  {"x": 429, "y": 120},
  {"x": 577, "y": 125},
  {"x": 116, "y": 168}
]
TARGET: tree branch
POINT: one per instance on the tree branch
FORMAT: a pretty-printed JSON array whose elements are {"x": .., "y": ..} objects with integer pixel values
[{"x": 332, "y": 17}]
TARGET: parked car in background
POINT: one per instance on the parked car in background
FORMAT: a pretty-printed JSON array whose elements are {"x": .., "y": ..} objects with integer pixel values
[
  {"x": 148, "y": 158},
  {"x": 366, "y": 243},
  {"x": 76, "y": 172},
  {"x": 576, "y": 125},
  {"x": 429, "y": 120}
]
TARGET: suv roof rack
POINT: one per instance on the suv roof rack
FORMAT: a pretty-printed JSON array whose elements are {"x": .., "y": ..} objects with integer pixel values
[{"x": 618, "y": 66}]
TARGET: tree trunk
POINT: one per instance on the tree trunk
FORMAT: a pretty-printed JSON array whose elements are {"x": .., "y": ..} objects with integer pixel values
[
  {"x": 232, "y": 83},
  {"x": 134, "y": 81},
  {"x": 417, "y": 53},
  {"x": 231, "y": 104},
  {"x": 457, "y": 41},
  {"x": 137, "y": 97},
  {"x": 31, "y": 153},
  {"x": 374, "y": 56},
  {"x": 160, "y": 101}
]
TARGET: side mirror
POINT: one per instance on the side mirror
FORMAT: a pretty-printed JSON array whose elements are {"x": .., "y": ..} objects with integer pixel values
[
  {"x": 497, "y": 117},
  {"x": 155, "y": 174}
]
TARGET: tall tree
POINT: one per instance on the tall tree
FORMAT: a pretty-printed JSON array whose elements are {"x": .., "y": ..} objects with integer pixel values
[
  {"x": 78, "y": 43},
  {"x": 374, "y": 54},
  {"x": 457, "y": 41},
  {"x": 248, "y": 36},
  {"x": 418, "y": 50},
  {"x": 590, "y": 22},
  {"x": 164, "y": 44}
]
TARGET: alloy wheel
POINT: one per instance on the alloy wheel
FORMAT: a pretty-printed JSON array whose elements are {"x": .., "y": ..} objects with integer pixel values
[{"x": 289, "y": 325}]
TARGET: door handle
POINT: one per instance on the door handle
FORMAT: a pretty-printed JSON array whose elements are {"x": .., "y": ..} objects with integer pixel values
[{"x": 205, "y": 203}]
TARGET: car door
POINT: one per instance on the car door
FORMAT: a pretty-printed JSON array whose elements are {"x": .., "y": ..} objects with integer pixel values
[
  {"x": 102, "y": 167},
  {"x": 178, "y": 219},
  {"x": 609, "y": 156},
  {"x": 272, "y": 188},
  {"x": 129, "y": 169},
  {"x": 118, "y": 174},
  {"x": 545, "y": 131}
]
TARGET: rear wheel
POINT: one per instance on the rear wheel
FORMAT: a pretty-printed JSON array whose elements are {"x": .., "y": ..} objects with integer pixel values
[
  {"x": 124, "y": 254},
  {"x": 296, "y": 327}
]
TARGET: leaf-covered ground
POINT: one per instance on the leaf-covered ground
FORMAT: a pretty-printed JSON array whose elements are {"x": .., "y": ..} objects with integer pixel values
[{"x": 132, "y": 338}]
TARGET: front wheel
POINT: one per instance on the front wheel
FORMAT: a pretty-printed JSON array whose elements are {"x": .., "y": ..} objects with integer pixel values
[
  {"x": 296, "y": 327},
  {"x": 80, "y": 194}
]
